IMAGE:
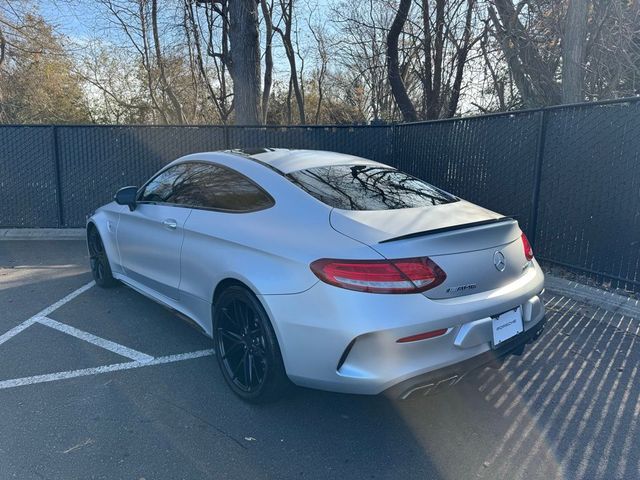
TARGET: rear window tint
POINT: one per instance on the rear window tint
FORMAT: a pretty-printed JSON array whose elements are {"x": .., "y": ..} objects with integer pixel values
[{"x": 365, "y": 187}]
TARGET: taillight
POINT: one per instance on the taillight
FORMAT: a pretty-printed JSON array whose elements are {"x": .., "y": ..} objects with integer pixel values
[
  {"x": 409, "y": 275},
  {"x": 528, "y": 251}
]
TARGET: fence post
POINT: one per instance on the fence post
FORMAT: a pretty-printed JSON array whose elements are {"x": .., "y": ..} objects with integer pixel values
[
  {"x": 535, "y": 195},
  {"x": 56, "y": 160}
]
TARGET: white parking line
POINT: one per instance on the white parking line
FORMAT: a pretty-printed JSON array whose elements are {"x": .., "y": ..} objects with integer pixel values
[
  {"x": 139, "y": 359},
  {"x": 62, "y": 301},
  {"x": 100, "y": 342},
  {"x": 52, "y": 377},
  {"x": 16, "y": 330},
  {"x": 27, "y": 323}
]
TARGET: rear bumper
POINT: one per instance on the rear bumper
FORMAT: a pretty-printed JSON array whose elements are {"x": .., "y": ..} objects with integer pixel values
[
  {"x": 429, "y": 383},
  {"x": 346, "y": 341}
]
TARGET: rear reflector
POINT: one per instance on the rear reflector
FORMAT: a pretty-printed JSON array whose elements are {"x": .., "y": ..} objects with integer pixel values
[
  {"x": 410, "y": 275},
  {"x": 423, "y": 336},
  {"x": 528, "y": 251}
]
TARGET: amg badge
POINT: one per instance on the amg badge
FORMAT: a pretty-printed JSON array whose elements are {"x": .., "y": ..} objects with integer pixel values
[{"x": 462, "y": 288}]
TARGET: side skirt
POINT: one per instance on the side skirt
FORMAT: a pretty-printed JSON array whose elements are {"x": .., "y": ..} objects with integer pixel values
[{"x": 176, "y": 307}]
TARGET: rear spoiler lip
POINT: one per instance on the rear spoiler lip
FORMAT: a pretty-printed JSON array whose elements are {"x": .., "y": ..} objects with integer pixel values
[{"x": 461, "y": 226}]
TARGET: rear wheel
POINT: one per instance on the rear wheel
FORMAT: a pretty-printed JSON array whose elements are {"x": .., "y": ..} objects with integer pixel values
[
  {"x": 247, "y": 349},
  {"x": 100, "y": 268}
]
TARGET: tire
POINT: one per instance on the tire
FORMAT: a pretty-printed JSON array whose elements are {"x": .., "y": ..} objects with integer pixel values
[
  {"x": 247, "y": 349},
  {"x": 98, "y": 260}
]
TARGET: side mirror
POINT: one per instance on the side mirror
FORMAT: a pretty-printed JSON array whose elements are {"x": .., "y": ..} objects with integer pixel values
[{"x": 127, "y": 196}]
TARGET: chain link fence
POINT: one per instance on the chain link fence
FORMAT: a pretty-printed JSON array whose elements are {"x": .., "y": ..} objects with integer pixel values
[{"x": 569, "y": 174}]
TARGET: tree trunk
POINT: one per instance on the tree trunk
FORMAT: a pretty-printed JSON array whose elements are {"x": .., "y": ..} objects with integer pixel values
[
  {"x": 175, "y": 103},
  {"x": 194, "y": 30},
  {"x": 268, "y": 59},
  {"x": 3, "y": 44},
  {"x": 534, "y": 77},
  {"x": 287, "y": 42},
  {"x": 463, "y": 52},
  {"x": 434, "y": 106},
  {"x": 427, "y": 80},
  {"x": 398, "y": 88},
  {"x": 289, "y": 92},
  {"x": 146, "y": 62},
  {"x": 295, "y": 83},
  {"x": 573, "y": 44},
  {"x": 245, "y": 60}
]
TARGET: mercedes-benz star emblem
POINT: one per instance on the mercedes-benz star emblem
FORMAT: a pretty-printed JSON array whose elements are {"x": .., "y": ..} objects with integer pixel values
[{"x": 499, "y": 261}]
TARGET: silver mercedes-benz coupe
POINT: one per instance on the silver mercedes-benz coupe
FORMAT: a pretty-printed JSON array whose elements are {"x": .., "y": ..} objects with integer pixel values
[{"x": 323, "y": 269}]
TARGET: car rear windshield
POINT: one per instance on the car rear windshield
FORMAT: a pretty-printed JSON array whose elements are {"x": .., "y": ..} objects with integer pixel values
[{"x": 367, "y": 187}]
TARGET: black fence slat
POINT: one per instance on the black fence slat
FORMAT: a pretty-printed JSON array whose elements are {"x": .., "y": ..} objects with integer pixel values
[
  {"x": 28, "y": 188},
  {"x": 589, "y": 214},
  {"x": 96, "y": 161},
  {"x": 490, "y": 161}
]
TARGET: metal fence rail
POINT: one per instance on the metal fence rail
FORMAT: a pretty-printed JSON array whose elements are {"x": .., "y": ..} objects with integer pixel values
[{"x": 569, "y": 174}]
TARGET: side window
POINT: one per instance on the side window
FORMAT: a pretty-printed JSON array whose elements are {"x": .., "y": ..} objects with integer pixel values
[
  {"x": 204, "y": 185},
  {"x": 161, "y": 188}
]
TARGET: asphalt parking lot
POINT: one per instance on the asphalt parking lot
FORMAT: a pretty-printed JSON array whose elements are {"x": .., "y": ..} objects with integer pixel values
[{"x": 106, "y": 384}]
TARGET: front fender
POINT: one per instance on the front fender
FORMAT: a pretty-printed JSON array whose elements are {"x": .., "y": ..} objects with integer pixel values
[{"x": 106, "y": 220}]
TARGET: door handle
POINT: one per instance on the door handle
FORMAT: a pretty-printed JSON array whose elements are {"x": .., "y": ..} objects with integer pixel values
[{"x": 170, "y": 223}]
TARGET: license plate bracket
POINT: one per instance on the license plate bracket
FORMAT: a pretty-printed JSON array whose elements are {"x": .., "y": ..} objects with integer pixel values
[{"x": 506, "y": 325}]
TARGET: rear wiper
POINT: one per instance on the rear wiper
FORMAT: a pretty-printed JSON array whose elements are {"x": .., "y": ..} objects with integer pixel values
[{"x": 449, "y": 229}]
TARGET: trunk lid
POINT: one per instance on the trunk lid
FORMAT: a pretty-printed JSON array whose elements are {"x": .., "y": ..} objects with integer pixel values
[{"x": 479, "y": 250}]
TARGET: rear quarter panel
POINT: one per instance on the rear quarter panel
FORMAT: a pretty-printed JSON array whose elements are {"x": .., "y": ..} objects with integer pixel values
[{"x": 268, "y": 250}]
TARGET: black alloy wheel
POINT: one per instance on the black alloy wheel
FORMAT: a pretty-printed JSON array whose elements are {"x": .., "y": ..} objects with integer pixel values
[
  {"x": 100, "y": 268},
  {"x": 246, "y": 347}
]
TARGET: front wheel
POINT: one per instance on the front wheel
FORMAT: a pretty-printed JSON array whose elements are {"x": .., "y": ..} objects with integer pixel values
[
  {"x": 100, "y": 268},
  {"x": 247, "y": 349}
]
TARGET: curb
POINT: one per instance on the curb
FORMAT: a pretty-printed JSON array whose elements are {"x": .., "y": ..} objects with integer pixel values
[
  {"x": 42, "y": 234},
  {"x": 593, "y": 296}
]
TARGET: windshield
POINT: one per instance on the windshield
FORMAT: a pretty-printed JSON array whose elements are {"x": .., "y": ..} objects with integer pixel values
[{"x": 365, "y": 187}]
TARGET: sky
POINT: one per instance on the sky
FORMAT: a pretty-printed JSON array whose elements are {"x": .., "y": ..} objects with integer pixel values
[
  {"x": 77, "y": 18},
  {"x": 70, "y": 17},
  {"x": 85, "y": 20}
]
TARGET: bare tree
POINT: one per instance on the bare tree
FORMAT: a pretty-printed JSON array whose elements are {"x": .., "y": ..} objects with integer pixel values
[
  {"x": 448, "y": 35},
  {"x": 3, "y": 46},
  {"x": 244, "y": 60},
  {"x": 211, "y": 43},
  {"x": 398, "y": 87},
  {"x": 320, "y": 37},
  {"x": 166, "y": 86},
  {"x": 573, "y": 49},
  {"x": 200, "y": 61},
  {"x": 360, "y": 52},
  {"x": 287, "y": 13},
  {"x": 462, "y": 51},
  {"x": 132, "y": 18},
  {"x": 533, "y": 74},
  {"x": 267, "y": 15},
  {"x": 569, "y": 51},
  {"x": 612, "y": 50}
]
